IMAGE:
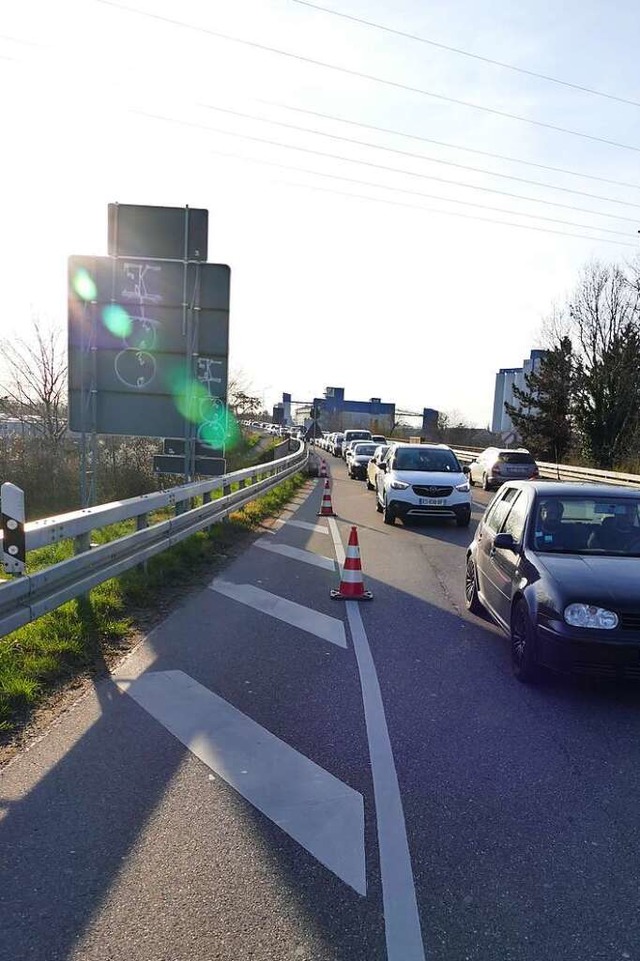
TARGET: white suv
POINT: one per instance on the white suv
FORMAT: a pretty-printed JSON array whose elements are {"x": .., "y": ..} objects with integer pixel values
[{"x": 423, "y": 480}]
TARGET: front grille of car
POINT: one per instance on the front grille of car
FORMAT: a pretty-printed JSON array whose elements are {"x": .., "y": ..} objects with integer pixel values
[
  {"x": 630, "y": 620},
  {"x": 423, "y": 491},
  {"x": 614, "y": 671}
]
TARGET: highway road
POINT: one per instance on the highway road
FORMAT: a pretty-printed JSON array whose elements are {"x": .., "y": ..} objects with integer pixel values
[{"x": 274, "y": 774}]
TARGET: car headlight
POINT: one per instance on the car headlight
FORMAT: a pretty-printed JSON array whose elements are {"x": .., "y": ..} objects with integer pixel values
[
  {"x": 399, "y": 485},
  {"x": 463, "y": 488},
  {"x": 586, "y": 615}
]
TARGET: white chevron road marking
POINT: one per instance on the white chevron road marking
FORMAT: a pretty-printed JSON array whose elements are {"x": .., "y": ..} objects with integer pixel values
[
  {"x": 320, "y": 625},
  {"x": 297, "y": 554},
  {"x": 316, "y": 528},
  {"x": 324, "y": 815}
]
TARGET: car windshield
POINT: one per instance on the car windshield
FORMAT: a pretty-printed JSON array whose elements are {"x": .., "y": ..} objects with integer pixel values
[
  {"x": 426, "y": 460},
  {"x": 588, "y": 525}
]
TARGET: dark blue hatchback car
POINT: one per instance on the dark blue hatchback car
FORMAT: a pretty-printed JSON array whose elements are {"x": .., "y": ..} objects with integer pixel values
[{"x": 557, "y": 566}]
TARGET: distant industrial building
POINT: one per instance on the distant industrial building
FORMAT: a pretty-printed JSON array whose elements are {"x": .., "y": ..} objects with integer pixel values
[
  {"x": 336, "y": 412},
  {"x": 506, "y": 379},
  {"x": 19, "y": 427}
]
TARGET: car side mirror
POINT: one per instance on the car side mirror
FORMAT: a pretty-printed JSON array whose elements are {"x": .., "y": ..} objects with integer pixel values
[{"x": 505, "y": 542}]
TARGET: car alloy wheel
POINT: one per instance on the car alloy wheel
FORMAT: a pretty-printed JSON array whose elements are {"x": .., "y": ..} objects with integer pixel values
[
  {"x": 471, "y": 599},
  {"x": 485, "y": 483},
  {"x": 523, "y": 659}
]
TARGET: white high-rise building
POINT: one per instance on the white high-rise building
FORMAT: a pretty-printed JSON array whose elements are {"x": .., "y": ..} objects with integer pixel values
[{"x": 506, "y": 378}]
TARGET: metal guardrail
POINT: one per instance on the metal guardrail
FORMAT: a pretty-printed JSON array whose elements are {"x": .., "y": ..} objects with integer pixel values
[
  {"x": 566, "y": 472},
  {"x": 28, "y": 597}
]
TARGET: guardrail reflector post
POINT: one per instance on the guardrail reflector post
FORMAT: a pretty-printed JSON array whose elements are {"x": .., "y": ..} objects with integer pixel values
[{"x": 12, "y": 525}]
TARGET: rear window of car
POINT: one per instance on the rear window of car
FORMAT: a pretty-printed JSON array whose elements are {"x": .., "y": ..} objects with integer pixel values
[
  {"x": 361, "y": 449},
  {"x": 359, "y": 435},
  {"x": 515, "y": 457}
]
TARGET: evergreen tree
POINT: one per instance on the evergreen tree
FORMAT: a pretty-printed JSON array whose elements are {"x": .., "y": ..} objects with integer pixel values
[{"x": 542, "y": 416}]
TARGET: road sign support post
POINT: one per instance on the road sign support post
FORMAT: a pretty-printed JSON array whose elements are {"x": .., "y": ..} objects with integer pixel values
[{"x": 89, "y": 393}]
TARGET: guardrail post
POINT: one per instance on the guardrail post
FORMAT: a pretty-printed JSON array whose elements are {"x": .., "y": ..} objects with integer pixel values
[
  {"x": 82, "y": 543},
  {"x": 226, "y": 490},
  {"x": 142, "y": 522}
]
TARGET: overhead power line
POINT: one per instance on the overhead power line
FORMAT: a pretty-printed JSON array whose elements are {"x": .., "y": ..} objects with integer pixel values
[
  {"x": 444, "y": 143},
  {"x": 452, "y": 213},
  {"x": 473, "y": 56},
  {"x": 417, "y": 193},
  {"x": 369, "y": 163},
  {"x": 418, "y": 156},
  {"x": 366, "y": 76}
]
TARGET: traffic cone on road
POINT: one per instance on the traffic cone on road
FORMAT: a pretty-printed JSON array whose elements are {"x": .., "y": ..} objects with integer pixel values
[
  {"x": 352, "y": 583},
  {"x": 323, "y": 469},
  {"x": 326, "y": 508}
]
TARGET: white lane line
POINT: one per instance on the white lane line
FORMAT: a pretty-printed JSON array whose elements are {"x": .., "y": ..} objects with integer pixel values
[
  {"x": 316, "y": 528},
  {"x": 317, "y": 810},
  {"x": 313, "y": 622},
  {"x": 297, "y": 554},
  {"x": 401, "y": 918}
]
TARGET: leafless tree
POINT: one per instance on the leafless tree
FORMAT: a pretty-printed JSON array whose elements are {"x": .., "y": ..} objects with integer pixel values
[
  {"x": 605, "y": 326},
  {"x": 36, "y": 381}
]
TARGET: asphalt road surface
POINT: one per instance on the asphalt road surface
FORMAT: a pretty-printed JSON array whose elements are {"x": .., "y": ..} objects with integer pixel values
[{"x": 275, "y": 774}]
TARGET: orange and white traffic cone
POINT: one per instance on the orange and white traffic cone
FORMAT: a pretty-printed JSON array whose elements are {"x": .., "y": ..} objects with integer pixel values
[
  {"x": 351, "y": 583},
  {"x": 326, "y": 508},
  {"x": 323, "y": 469}
]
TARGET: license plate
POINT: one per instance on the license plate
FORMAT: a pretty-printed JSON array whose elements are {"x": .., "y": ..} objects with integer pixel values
[{"x": 432, "y": 501}]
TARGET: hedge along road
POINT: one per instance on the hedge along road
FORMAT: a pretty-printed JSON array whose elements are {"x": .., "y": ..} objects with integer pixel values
[{"x": 222, "y": 796}]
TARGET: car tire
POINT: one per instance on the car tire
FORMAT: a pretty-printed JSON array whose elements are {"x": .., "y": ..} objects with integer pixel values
[
  {"x": 378, "y": 504},
  {"x": 523, "y": 657},
  {"x": 472, "y": 483},
  {"x": 370, "y": 486},
  {"x": 472, "y": 600},
  {"x": 387, "y": 514},
  {"x": 463, "y": 520},
  {"x": 485, "y": 483}
]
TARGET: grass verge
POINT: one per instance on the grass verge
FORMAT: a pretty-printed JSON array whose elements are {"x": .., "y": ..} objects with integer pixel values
[{"x": 84, "y": 636}]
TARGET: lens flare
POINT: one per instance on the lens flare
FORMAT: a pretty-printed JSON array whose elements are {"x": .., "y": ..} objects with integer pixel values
[
  {"x": 117, "y": 320},
  {"x": 84, "y": 285},
  {"x": 216, "y": 425}
]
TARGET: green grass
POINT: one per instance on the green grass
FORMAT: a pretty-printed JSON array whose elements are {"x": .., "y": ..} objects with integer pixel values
[{"x": 78, "y": 637}]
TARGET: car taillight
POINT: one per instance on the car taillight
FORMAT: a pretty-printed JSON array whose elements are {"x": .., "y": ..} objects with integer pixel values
[
  {"x": 536, "y": 472},
  {"x": 496, "y": 470}
]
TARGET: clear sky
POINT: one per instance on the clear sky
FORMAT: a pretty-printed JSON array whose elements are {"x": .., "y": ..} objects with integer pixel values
[{"x": 342, "y": 273}]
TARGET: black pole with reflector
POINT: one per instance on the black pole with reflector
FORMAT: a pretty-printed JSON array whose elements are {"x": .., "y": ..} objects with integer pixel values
[{"x": 12, "y": 525}]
